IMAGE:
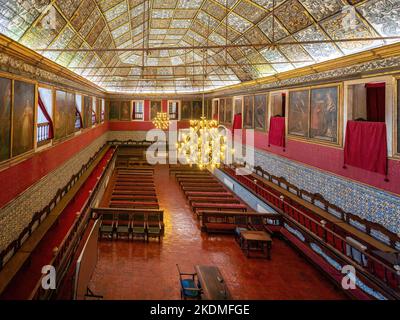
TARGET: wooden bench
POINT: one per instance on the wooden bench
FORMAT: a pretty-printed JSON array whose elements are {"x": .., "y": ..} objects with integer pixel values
[
  {"x": 134, "y": 205},
  {"x": 219, "y": 206},
  {"x": 134, "y": 188},
  {"x": 212, "y": 200},
  {"x": 135, "y": 192},
  {"x": 208, "y": 194},
  {"x": 133, "y": 197},
  {"x": 217, "y": 188}
]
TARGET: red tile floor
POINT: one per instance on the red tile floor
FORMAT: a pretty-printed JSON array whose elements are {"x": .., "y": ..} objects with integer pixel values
[{"x": 137, "y": 270}]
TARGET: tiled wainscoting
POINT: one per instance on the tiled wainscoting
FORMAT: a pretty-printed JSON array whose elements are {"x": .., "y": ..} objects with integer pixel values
[
  {"x": 15, "y": 216},
  {"x": 251, "y": 200},
  {"x": 367, "y": 202}
]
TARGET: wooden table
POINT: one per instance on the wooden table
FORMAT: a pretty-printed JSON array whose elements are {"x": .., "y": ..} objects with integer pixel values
[
  {"x": 257, "y": 238},
  {"x": 212, "y": 283}
]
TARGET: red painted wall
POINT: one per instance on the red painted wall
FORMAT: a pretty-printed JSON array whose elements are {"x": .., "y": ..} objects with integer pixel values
[
  {"x": 19, "y": 177},
  {"x": 330, "y": 159}
]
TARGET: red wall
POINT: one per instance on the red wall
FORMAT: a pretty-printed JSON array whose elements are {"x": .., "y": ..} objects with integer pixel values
[
  {"x": 17, "y": 178},
  {"x": 331, "y": 159}
]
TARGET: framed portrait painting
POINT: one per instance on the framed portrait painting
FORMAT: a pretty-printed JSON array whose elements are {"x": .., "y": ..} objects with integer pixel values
[
  {"x": 324, "y": 114},
  {"x": 71, "y": 112},
  {"x": 238, "y": 106},
  {"x": 398, "y": 116},
  {"x": 186, "y": 110},
  {"x": 114, "y": 110},
  {"x": 155, "y": 107},
  {"x": 126, "y": 111},
  {"x": 215, "y": 109},
  {"x": 5, "y": 118},
  {"x": 260, "y": 112},
  {"x": 87, "y": 111},
  {"x": 248, "y": 112},
  {"x": 23, "y": 117},
  {"x": 228, "y": 110},
  {"x": 221, "y": 111},
  {"x": 197, "y": 109},
  {"x": 60, "y": 119},
  {"x": 299, "y": 110}
]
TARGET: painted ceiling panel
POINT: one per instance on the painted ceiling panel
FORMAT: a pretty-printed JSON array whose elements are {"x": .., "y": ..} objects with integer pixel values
[{"x": 134, "y": 45}]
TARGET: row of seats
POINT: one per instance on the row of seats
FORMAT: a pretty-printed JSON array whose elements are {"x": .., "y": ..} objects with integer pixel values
[
  {"x": 132, "y": 223},
  {"x": 134, "y": 205},
  {"x": 218, "y": 209}
]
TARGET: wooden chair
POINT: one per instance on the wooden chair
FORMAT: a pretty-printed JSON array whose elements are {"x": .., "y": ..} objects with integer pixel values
[
  {"x": 189, "y": 285},
  {"x": 138, "y": 225},
  {"x": 154, "y": 228},
  {"x": 123, "y": 225},
  {"x": 107, "y": 225}
]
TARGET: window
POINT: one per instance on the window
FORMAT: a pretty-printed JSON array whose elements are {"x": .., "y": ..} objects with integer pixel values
[
  {"x": 215, "y": 109},
  {"x": 367, "y": 101},
  {"x": 102, "y": 110},
  {"x": 278, "y": 104},
  {"x": 138, "y": 110},
  {"x": 173, "y": 110},
  {"x": 94, "y": 111},
  {"x": 78, "y": 112},
  {"x": 45, "y": 129}
]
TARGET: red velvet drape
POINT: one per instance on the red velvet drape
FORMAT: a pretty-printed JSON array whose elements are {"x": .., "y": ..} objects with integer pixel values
[
  {"x": 376, "y": 100},
  {"x": 277, "y": 131},
  {"x": 47, "y": 116},
  {"x": 80, "y": 117},
  {"x": 366, "y": 146},
  {"x": 237, "y": 122}
]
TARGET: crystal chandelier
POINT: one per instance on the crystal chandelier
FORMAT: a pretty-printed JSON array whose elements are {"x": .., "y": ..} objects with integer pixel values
[
  {"x": 204, "y": 145},
  {"x": 161, "y": 121}
]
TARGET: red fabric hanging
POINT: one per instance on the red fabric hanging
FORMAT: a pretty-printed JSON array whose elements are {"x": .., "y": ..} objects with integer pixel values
[
  {"x": 277, "y": 131},
  {"x": 46, "y": 115},
  {"x": 366, "y": 146},
  {"x": 237, "y": 123},
  {"x": 80, "y": 117},
  {"x": 376, "y": 100}
]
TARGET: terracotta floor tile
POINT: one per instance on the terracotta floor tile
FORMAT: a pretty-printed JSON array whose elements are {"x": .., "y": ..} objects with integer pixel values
[{"x": 136, "y": 270}]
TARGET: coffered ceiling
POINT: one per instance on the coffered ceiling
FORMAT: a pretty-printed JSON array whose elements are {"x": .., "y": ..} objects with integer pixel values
[{"x": 157, "y": 46}]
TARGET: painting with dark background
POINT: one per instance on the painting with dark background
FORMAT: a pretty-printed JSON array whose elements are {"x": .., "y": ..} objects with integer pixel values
[
  {"x": 5, "y": 118},
  {"x": 398, "y": 116},
  {"x": 238, "y": 106},
  {"x": 126, "y": 111},
  {"x": 260, "y": 112},
  {"x": 23, "y": 117},
  {"x": 215, "y": 109},
  {"x": 299, "y": 110},
  {"x": 197, "y": 109},
  {"x": 60, "y": 119},
  {"x": 186, "y": 110},
  {"x": 71, "y": 114},
  {"x": 87, "y": 111},
  {"x": 222, "y": 110},
  {"x": 114, "y": 110},
  {"x": 228, "y": 110},
  {"x": 324, "y": 114},
  {"x": 248, "y": 110},
  {"x": 155, "y": 107},
  {"x": 209, "y": 109}
]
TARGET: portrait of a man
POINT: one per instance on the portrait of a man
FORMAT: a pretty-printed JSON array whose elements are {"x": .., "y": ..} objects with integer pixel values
[
  {"x": 23, "y": 117},
  {"x": 114, "y": 110},
  {"x": 228, "y": 110},
  {"x": 299, "y": 110},
  {"x": 186, "y": 110},
  {"x": 155, "y": 107},
  {"x": 125, "y": 111},
  {"x": 324, "y": 113},
  {"x": 5, "y": 118},
  {"x": 248, "y": 110},
  {"x": 260, "y": 112}
]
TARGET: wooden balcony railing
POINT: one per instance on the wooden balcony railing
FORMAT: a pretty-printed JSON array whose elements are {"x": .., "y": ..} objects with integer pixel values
[
  {"x": 43, "y": 130},
  {"x": 138, "y": 116},
  {"x": 378, "y": 273}
]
